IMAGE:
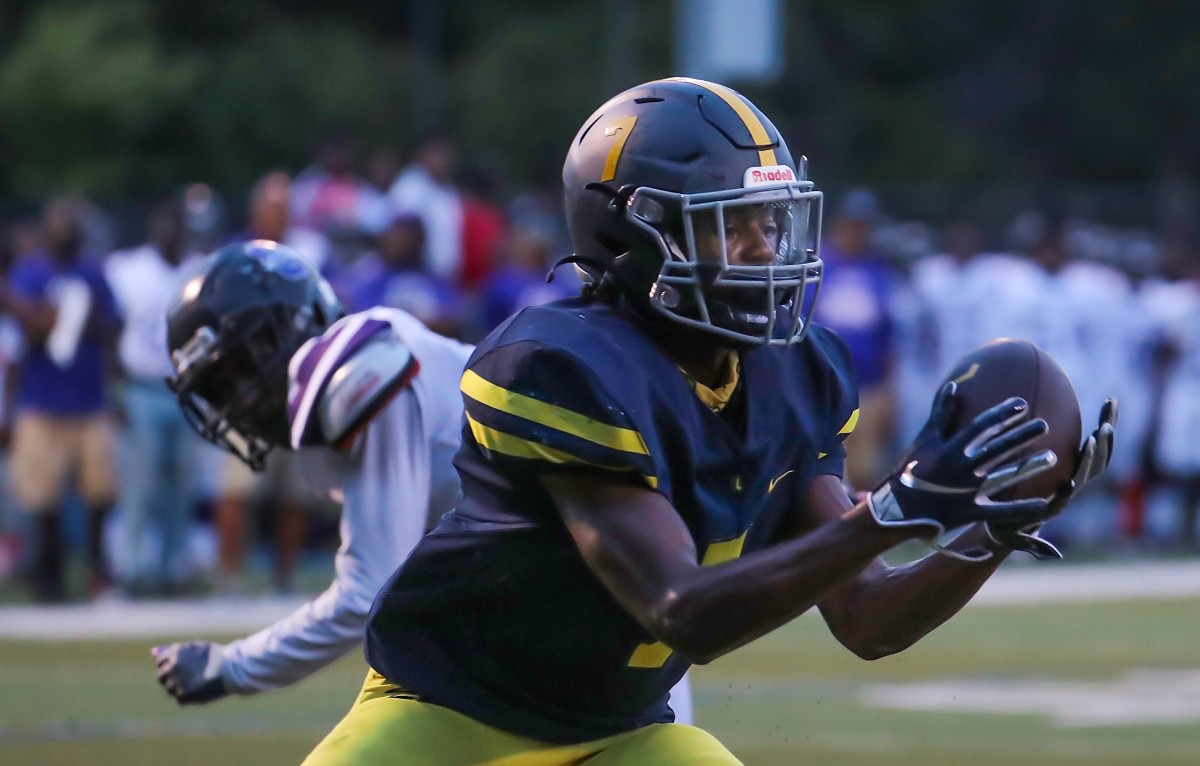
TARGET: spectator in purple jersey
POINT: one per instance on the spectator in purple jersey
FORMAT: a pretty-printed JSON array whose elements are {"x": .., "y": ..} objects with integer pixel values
[
  {"x": 393, "y": 276},
  {"x": 855, "y": 303},
  {"x": 62, "y": 430}
]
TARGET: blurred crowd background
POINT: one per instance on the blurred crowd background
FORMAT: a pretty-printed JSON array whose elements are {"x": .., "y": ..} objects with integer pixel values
[{"x": 1024, "y": 170}]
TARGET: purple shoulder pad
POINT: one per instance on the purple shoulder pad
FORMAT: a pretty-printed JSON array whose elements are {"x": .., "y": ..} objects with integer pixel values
[{"x": 312, "y": 366}]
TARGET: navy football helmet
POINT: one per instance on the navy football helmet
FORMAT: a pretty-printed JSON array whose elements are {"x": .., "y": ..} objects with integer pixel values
[
  {"x": 655, "y": 182},
  {"x": 232, "y": 330}
]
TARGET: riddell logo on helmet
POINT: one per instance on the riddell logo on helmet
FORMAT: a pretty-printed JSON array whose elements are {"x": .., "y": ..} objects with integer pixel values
[{"x": 772, "y": 174}]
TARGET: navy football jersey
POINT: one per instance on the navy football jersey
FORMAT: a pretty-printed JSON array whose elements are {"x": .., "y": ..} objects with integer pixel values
[{"x": 495, "y": 614}]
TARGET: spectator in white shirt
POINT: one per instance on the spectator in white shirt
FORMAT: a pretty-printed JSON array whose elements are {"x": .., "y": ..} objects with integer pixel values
[
  {"x": 154, "y": 496},
  {"x": 425, "y": 189}
]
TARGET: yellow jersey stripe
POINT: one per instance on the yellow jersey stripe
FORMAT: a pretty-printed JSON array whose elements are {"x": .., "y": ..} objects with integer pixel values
[
  {"x": 650, "y": 655},
  {"x": 558, "y": 418},
  {"x": 655, "y": 655},
  {"x": 850, "y": 424},
  {"x": 725, "y": 550},
  {"x": 620, "y": 131},
  {"x": 515, "y": 446},
  {"x": 758, "y": 133}
]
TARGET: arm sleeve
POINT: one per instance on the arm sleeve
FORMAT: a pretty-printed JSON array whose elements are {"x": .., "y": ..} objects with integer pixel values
[
  {"x": 307, "y": 640},
  {"x": 540, "y": 409},
  {"x": 387, "y": 488}
]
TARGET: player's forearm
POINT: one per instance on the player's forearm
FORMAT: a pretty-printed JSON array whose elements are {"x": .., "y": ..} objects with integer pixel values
[
  {"x": 310, "y": 638},
  {"x": 723, "y": 607},
  {"x": 889, "y": 609}
]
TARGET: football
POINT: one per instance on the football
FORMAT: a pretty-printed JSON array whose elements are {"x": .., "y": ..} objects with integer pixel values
[{"x": 1009, "y": 367}]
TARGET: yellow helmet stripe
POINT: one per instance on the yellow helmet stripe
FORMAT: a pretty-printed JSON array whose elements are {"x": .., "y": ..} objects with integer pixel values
[
  {"x": 620, "y": 131},
  {"x": 758, "y": 133}
]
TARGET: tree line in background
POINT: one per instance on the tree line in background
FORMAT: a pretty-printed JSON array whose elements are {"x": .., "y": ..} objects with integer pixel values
[{"x": 133, "y": 97}]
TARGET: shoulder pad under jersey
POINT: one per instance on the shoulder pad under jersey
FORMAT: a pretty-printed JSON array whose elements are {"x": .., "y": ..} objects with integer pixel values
[{"x": 339, "y": 381}]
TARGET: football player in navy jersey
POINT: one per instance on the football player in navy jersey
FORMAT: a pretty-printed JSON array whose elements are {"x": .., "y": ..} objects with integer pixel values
[
  {"x": 651, "y": 472},
  {"x": 264, "y": 359}
]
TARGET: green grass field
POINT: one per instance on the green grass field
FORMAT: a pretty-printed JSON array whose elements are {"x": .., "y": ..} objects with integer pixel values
[{"x": 794, "y": 697}]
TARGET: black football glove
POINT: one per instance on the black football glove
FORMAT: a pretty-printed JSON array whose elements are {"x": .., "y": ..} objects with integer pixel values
[
  {"x": 946, "y": 480},
  {"x": 190, "y": 672},
  {"x": 1093, "y": 459}
]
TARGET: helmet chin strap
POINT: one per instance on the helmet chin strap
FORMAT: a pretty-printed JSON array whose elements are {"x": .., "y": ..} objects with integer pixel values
[{"x": 587, "y": 268}]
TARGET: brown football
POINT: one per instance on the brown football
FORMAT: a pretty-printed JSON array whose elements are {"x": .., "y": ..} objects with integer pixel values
[{"x": 1007, "y": 367}]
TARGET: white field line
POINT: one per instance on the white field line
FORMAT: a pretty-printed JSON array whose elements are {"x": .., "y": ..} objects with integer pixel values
[
  {"x": 1141, "y": 697},
  {"x": 132, "y": 619},
  {"x": 1045, "y": 583},
  {"x": 1056, "y": 583}
]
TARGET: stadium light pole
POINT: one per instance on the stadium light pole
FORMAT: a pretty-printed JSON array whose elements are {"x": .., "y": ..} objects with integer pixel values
[
  {"x": 727, "y": 41},
  {"x": 426, "y": 21},
  {"x": 620, "y": 20}
]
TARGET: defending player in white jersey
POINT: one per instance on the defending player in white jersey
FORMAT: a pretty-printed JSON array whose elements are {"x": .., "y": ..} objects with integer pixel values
[{"x": 263, "y": 358}]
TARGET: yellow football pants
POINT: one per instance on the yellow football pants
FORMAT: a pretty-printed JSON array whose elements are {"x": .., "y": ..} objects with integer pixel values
[{"x": 386, "y": 726}]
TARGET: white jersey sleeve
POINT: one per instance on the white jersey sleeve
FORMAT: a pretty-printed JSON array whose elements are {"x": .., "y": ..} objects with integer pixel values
[{"x": 396, "y": 477}]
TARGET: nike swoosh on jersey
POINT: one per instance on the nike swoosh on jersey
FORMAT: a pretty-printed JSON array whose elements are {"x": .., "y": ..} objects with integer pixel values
[{"x": 777, "y": 479}]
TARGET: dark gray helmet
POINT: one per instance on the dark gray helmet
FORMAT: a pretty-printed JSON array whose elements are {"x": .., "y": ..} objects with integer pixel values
[
  {"x": 231, "y": 330},
  {"x": 651, "y": 181}
]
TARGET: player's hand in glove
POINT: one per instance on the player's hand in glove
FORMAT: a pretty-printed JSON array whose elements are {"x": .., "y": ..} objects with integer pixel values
[
  {"x": 191, "y": 671},
  {"x": 946, "y": 480},
  {"x": 1092, "y": 461}
]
